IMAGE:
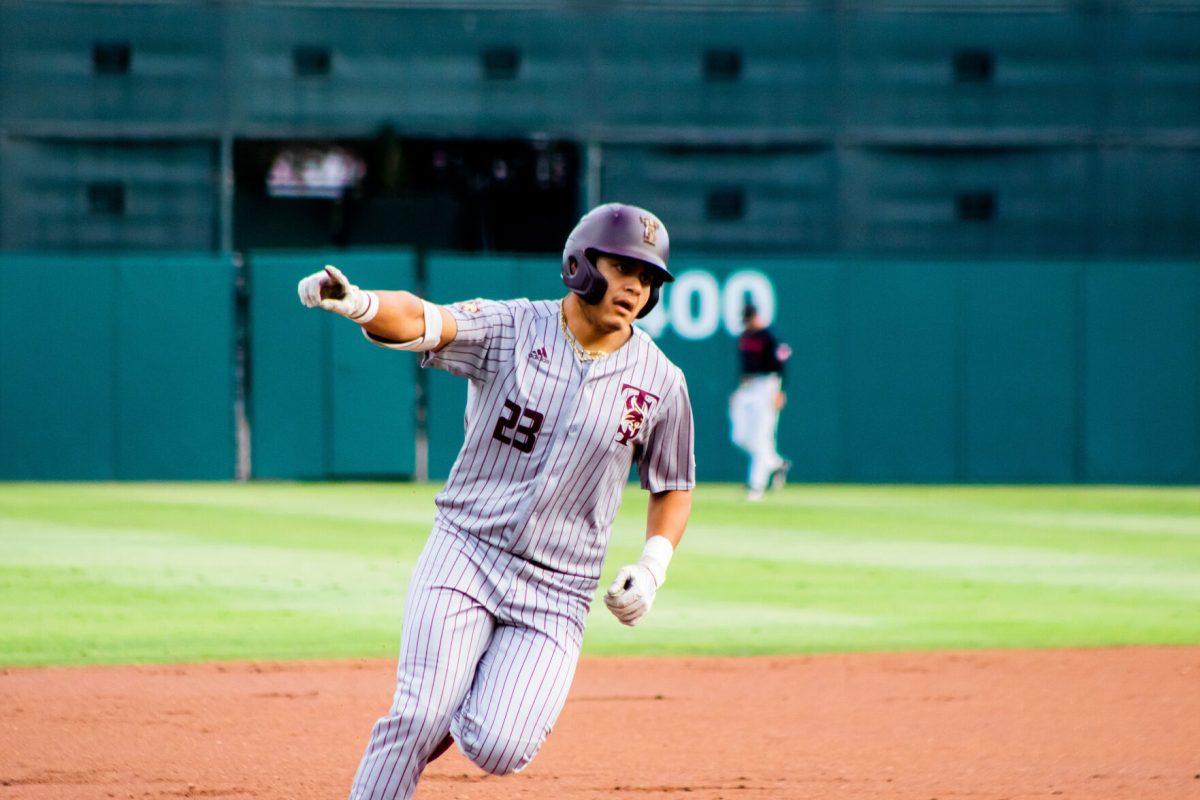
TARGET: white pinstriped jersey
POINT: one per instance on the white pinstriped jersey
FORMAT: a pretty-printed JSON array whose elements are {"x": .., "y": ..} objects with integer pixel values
[{"x": 550, "y": 439}]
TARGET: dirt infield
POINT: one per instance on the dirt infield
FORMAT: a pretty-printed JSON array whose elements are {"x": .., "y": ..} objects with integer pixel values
[{"x": 1094, "y": 724}]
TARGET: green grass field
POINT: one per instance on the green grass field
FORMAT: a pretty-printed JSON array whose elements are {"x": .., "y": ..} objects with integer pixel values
[{"x": 108, "y": 573}]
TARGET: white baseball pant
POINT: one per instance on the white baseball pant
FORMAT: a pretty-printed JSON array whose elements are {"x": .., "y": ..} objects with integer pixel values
[
  {"x": 754, "y": 419},
  {"x": 488, "y": 652}
]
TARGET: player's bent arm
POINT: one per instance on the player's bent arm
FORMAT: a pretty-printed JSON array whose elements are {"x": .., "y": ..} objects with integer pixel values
[
  {"x": 632, "y": 592},
  {"x": 668, "y": 514},
  {"x": 401, "y": 318},
  {"x": 666, "y": 518}
]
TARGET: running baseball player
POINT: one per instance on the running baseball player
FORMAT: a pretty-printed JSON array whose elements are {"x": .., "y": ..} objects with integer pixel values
[
  {"x": 755, "y": 405},
  {"x": 564, "y": 397}
]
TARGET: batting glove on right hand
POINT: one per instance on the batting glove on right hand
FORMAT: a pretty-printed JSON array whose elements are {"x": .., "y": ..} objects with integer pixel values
[
  {"x": 331, "y": 290},
  {"x": 631, "y": 595}
]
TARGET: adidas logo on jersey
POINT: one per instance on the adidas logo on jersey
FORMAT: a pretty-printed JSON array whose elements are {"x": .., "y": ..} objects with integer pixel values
[{"x": 539, "y": 354}]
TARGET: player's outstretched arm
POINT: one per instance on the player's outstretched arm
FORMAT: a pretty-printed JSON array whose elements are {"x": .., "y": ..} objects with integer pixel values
[
  {"x": 395, "y": 317},
  {"x": 632, "y": 592},
  {"x": 403, "y": 317}
]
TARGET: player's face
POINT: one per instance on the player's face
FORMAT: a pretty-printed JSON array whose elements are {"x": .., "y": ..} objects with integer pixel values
[{"x": 629, "y": 284}]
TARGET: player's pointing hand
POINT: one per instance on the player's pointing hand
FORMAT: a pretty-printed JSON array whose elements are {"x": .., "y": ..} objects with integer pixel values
[{"x": 331, "y": 290}]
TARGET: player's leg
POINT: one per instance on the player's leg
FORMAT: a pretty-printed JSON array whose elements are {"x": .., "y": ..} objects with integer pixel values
[
  {"x": 741, "y": 417},
  {"x": 764, "y": 459},
  {"x": 446, "y": 631},
  {"x": 760, "y": 472},
  {"x": 743, "y": 421},
  {"x": 517, "y": 695},
  {"x": 779, "y": 473}
]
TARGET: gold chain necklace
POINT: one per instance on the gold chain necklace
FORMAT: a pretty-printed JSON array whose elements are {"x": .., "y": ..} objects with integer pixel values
[{"x": 580, "y": 353}]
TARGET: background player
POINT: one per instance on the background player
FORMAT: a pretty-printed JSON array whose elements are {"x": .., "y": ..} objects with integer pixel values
[
  {"x": 755, "y": 405},
  {"x": 564, "y": 396}
]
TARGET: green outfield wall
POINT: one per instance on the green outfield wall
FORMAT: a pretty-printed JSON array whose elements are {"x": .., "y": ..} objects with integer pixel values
[
  {"x": 919, "y": 371},
  {"x": 117, "y": 367},
  {"x": 947, "y": 371},
  {"x": 324, "y": 402}
]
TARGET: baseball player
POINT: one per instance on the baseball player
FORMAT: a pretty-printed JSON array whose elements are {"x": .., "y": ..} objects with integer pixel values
[
  {"x": 755, "y": 405},
  {"x": 564, "y": 397}
]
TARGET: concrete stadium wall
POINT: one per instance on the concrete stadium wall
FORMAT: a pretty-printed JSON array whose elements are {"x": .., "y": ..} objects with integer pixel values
[{"x": 1030, "y": 128}]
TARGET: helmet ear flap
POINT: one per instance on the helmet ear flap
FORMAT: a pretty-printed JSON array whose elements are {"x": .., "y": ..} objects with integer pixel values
[{"x": 583, "y": 277}]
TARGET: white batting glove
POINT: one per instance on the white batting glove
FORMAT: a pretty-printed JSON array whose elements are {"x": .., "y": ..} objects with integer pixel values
[
  {"x": 331, "y": 290},
  {"x": 631, "y": 594}
]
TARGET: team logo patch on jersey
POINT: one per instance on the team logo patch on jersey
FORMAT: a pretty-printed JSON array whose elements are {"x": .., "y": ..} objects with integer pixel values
[
  {"x": 540, "y": 354},
  {"x": 471, "y": 306},
  {"x": 635, "y": 407},
  {"x": 650, "y": 232}
]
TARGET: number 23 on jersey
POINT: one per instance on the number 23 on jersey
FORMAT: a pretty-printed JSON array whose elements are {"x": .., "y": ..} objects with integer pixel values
[{"x": 518, "y": 426}]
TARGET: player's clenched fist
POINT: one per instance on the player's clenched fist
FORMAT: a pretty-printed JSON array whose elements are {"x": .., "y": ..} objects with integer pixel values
[
  {"x": 631, "y": 593},
  {"x": 331, "y": 290}
]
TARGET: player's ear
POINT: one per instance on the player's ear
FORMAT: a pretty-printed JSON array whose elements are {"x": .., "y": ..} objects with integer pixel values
[{"x": 572, "y": 266}]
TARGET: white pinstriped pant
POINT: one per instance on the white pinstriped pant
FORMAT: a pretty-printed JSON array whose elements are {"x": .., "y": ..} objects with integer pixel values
[{"x": 488, "y": 651}]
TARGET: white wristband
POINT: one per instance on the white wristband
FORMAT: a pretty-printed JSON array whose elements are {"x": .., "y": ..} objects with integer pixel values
[
  {"x": 371, "y": 310},
  {"x": 656, "y": 557},
  {"x": 433, "y": 325},
  {"x": 427, "y": 341}
]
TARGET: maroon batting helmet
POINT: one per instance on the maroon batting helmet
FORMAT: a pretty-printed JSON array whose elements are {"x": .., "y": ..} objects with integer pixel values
[{"x": 618, "y": 230}]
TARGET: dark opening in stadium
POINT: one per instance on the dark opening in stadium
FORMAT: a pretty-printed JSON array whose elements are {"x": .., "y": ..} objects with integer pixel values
[
  {"x": 722, "y": 65},
  {"x": 979, "y": 206},
  {"x": 974, "y": 66},
  {"x": 454, "y": 194},
  {"x": 106, "y": 197},
  {"x": 725, "y": 204},
  {"x": 111, "y": 58},
  {"x": 501, "y": 63},
  {"x": 309, "y": 61}
]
